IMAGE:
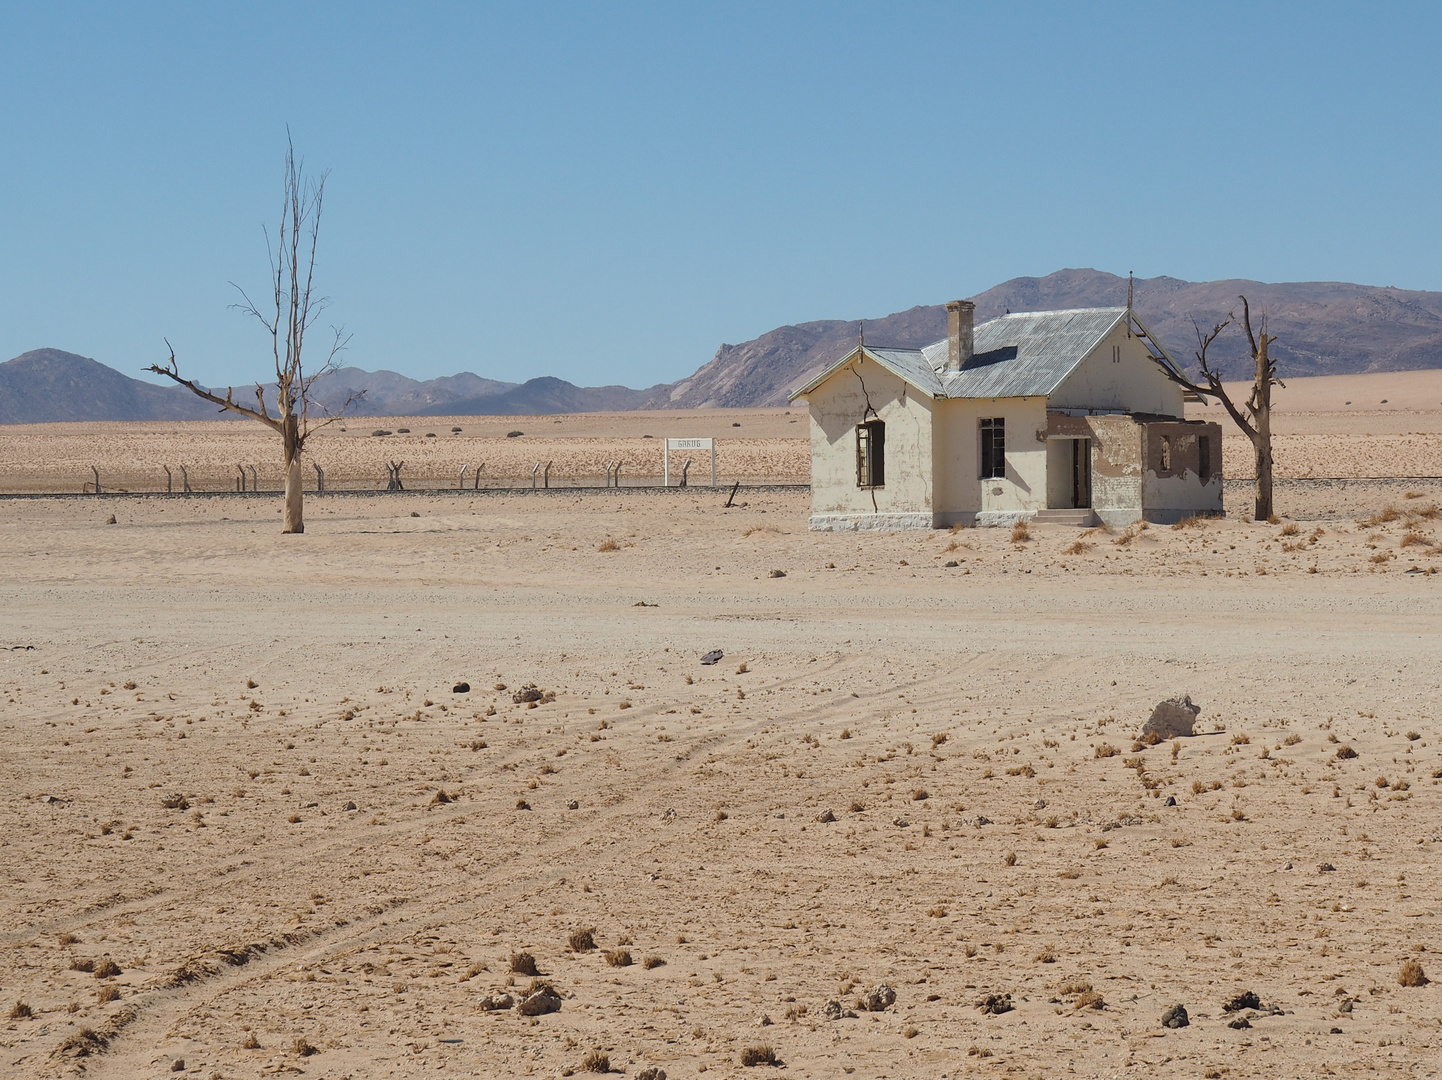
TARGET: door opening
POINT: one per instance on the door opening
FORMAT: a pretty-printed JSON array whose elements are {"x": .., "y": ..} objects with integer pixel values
[{"x": 1081, "y": 473}]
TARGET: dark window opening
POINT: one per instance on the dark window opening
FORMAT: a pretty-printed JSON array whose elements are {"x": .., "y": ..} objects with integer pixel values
[
  {"x": 871, "y": 454},
  {"x": 993, "y": 448},
  {"x": 1204, "y": 458}
]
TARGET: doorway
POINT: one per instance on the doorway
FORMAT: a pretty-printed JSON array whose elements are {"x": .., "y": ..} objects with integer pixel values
[{"x": 1081, "y": 472}]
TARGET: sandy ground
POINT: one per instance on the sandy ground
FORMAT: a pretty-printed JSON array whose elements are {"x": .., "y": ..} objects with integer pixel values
[
  {"x": 234, "y": 765},
  {"x": 1326, "y": 427}
]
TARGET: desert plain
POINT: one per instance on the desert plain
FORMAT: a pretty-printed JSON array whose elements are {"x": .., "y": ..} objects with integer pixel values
[{"x": 252, "y": 826}]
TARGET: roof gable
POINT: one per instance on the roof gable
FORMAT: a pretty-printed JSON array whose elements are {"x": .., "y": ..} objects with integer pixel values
[{"x": 1028, "y": 354}]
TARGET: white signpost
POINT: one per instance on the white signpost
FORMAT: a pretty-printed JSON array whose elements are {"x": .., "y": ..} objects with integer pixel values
[{"x": 687, "y": 444}]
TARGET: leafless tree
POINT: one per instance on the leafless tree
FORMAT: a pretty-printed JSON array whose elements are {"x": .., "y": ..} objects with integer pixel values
[
  {"x": 296, "y": 308},
  {"x": 1256, "y": 421}
]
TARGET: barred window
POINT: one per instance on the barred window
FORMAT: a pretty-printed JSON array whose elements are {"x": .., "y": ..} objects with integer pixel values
[
  {"x": 993, "y": 448},
  {"x": 871, "y": 454}
]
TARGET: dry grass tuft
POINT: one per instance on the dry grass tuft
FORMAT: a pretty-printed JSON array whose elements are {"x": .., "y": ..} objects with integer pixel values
[
  {"x": 1090, "y": 999},
  {"x": 1192, "y": 522},
  {"x": 1106, "y": 750},
  {"x": 582, "y": 940},
  {"x": 107, "y": 969},
  {"x": 1010, "y": 859},
  {"x": 1046, "y": 956},
  {"x": 1077, "y": 547},
  {"x": 523, "y": 963},
  {"x": 618, "y": 957},
  {"x": 1382, "y": 517},
  {"x": 1345, "y": 752},
  {"x": 21, "y": 1011},
  {"x": 1020, "y": 534},
  {"x": 758, "y": 1055},
  {"x": 939, "y": 738},
  {"x": 1413, "y": 539},
  {"x": 597, "y": 1062},
  {"x": 652, "y": 962},
  {"x": 1412, "y": 974},
  {"x": 251, "y": 1042},
  {"x": 109, "y": 992},
  {"x": 609, "y": 545},
  {"x": 301, "y": 1048},
  {"x": 1289, "y": 529}
]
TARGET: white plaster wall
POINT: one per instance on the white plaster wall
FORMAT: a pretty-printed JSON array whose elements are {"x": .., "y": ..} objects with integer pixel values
[
  {"x": 960, "y": 491},
  {"x": 1059, "y": 485},
  {"x": 1182, "y": 491},
  {"x": 1135, "y": 384},
  {"x": 836, "y": 407},
  {"x": 1116, "y": 467}
]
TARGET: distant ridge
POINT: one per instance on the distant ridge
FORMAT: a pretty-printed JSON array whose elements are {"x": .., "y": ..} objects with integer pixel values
[{"x": 1323, "y": 328}]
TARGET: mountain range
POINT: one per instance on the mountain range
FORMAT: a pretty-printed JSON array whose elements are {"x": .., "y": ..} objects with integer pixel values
[{"x": 1322, "y": 328}]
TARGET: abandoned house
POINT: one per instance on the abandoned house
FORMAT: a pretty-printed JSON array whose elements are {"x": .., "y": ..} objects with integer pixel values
[{"x": 1063, "y": 416}]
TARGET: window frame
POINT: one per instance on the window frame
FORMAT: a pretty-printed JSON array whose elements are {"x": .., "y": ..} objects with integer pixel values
[
  {"x": 871, "y": 454},
  {"x": 992, "y": 447}
]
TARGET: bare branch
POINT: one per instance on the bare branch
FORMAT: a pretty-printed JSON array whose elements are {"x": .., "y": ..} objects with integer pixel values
[{"x": 227, "y": 404}]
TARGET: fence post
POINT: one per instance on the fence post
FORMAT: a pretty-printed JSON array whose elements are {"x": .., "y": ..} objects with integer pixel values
[
  {"x": 618, "y": 474},
  {"x": 96, "y": 471},
  {"x": 476, "y": 484},
  {"x": 684, "y": 470},
  {"x": 254, "y": 484},
  {"x": 240, "y": 484},
  {"x": 534, "y": 469},
  {"x": 319, "y": 477},
  {"x": 185, "y": 479},
  {"x": 168, "y": 480},
  {"x": 547, "y": 476},
  {"x": 461, "y": 483}
]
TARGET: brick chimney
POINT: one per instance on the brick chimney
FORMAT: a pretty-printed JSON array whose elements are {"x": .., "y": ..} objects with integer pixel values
[{"x": 960, "y": 323}]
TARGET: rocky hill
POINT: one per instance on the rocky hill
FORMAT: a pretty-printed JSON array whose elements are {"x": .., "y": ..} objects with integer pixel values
[{"x": 1322, "y": 328}]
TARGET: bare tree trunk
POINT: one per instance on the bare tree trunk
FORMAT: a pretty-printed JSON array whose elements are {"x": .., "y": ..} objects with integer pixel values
[
  {"x": 294, "y": 492},
  {"x": 1262, "y": 442}
]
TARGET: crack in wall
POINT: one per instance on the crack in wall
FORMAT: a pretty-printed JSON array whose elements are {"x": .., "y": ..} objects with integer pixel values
[{"x": 869, "y": 409}]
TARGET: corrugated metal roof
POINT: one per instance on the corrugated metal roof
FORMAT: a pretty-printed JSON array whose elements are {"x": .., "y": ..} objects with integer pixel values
[{"x": 1028, "y": 354}]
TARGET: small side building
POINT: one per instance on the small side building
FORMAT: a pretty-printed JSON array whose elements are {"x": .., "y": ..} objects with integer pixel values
[{"x": 1066, "y": 416}]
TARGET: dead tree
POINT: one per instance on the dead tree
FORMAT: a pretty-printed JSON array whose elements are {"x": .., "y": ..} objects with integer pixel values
[
  {"x": 296, "y": 308},
  {"x": 1256, "y": 421}
]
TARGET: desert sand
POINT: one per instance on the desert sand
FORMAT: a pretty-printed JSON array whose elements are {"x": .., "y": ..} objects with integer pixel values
[
  {"x": 236, "y": 768},
  {"x": 253, "y": 826}
]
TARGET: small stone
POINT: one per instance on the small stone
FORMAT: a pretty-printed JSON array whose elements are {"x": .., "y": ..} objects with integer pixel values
[
  {"x": 349, "y": 806},
  {"x": 461, "y": 688},
  {"x": 111, "y": 521},
  {"x": 178, "y": 1065},
  {"x": 651, "y": 1072},
  {"x": 826, "y": 816},
  {"x": 712, "y": 657},
  {"x": 834, "y": 1010},
  {"x": 950, "y": 563},
  {"x": 1171, "y": 719},
  {"x": 879, "y": 999},
  {"x": 995, "y": 1004},
  {"x": 1245, "y": 1000},
  {"x": 1176, "y": 1017},
  {"x": 573, "y": 805},
  {"x": 1170, "y": 800},
  {"x": 497, "y": 1002},
  {"x": 763, "y": 1021},
  {"x": 778, "y": 573},
  {"x": 540, "y": 1003},
  {"x": 1239, "y": 1023},
  {"x": 1325, "y": 868}
]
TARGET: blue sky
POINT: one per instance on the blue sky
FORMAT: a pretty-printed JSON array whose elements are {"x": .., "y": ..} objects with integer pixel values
[{"x": 606, "y": 192}]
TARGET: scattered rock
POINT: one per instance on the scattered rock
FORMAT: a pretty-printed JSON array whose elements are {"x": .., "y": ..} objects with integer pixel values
[
  {"x": 529, "y": 692},
  {"x": 1176, "y": 1017},
  {"x": 1170, "y": 800},
  {"x": 573, "y": 805},
  {"x": 950, "y": 563},
  {"x": 1245, "y": 1000},
  {"x": 514, "y": 434},
  {"x": 1239, "y": 1023},
  {"x": 651, "y": 1072},
  {"x": 878, "y": 999},
  {"x": 778, "y": 573},
  {"x": 712, "y": 657},
  {"x": 544, "y": 1000},
  {"x": 461, "y": 688},
  {"x": 1345, "y": 753},
  {"x": 497, "y": 1002},
  {"x": 763, "y": 1021},
  {"x": 1172, "y": 718},
  {"x": 178, "y": 1065},
  {"x": 1325, "y": 868},
  {"x": 349, "y": 806},
  {"x": 982, "y": 819},
  {"x": 110, "y": 520},
  {"x": 1040, "y": 804},
  {"x": 834, "y": 1010},
  {"x": 901, "y": 823},
  {"x": 826, "y": 816},
  {"x": 995, "y": 1004}
]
